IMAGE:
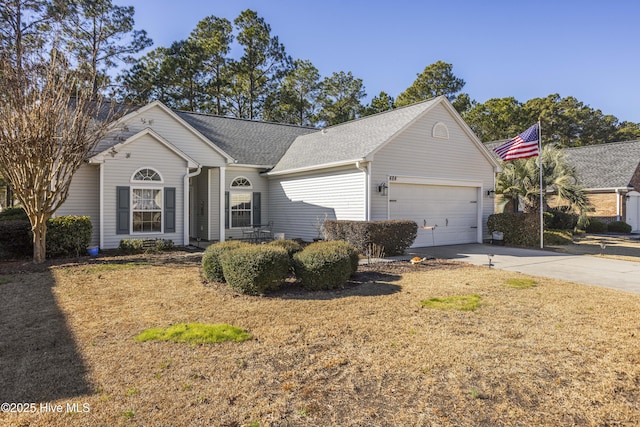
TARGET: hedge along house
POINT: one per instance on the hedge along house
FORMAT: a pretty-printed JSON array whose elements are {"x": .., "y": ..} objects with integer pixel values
[{"x": 176, "y": 175}]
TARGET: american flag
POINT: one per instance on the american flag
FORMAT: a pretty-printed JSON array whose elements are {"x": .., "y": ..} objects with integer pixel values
[{"x": 522, "y": 146}]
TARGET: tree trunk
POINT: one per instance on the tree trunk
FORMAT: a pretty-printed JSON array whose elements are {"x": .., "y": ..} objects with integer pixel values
[{"x": 39, "y": 229}]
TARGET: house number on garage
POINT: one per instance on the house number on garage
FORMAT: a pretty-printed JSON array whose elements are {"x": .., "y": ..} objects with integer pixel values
[{"x": 393, "y": 178}]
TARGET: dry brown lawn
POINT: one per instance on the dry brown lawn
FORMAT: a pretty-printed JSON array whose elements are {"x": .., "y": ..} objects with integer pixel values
[
  {"x": 554, "y": 354},
  {"x": 616, "y": 247}
]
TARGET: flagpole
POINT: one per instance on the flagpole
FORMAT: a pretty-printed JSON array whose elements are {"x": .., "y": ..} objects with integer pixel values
[{"x": 541, "y": 199}]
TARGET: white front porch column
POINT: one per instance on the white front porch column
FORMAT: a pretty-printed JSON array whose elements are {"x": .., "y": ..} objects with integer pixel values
[{"x": 223, "y": 171}]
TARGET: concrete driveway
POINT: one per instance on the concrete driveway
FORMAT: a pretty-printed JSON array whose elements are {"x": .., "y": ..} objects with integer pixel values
[{"x": 590, "y": 270}]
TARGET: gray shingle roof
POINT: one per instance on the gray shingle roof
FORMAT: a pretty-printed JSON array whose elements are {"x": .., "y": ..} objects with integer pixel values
[
  {"x": 248, "y": 142},
  {"x": 609, "y": 165},
  {"x": 349, "y": 141}
]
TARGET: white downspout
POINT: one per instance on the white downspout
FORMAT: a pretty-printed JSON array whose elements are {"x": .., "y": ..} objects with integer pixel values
[
  {"x": 223, "y": 170},
  {"x": 101, "y": 195},
  {"x": 618, "y": 207},
  {"x": 367, "y": 189},
  {"x": 187, "y": 201}
]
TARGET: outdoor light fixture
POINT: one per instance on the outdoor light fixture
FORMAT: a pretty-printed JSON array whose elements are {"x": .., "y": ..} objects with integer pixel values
[
  {"x": 382, "y": 188},
  {"x": 491, "y": 193}
]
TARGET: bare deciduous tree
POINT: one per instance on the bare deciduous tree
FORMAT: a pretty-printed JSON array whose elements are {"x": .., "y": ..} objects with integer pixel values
[{"x": 50, "y": 120}]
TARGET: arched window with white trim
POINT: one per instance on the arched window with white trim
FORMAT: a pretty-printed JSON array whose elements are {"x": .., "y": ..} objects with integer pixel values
[
  {"x": 241, "y": 203},
  {"x": 147, "y": 174},
  {"x": 241, "y": 183}
]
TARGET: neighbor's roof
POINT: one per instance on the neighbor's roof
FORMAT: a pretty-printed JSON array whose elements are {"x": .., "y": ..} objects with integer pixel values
[
  {"x": 348, "y": 141},
  {"x": 248, "y": 142},
  {"x": 609, "y": 165}
]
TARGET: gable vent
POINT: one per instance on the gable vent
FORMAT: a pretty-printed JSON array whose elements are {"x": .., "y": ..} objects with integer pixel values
[{"x": 440, "y": 130}]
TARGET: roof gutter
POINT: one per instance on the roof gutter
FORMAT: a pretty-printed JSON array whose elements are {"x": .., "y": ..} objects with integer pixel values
[{"x": 316, "y": 167}]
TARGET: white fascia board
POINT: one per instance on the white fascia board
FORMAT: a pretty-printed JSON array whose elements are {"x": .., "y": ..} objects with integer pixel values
[{"x": 316, "y": 167}]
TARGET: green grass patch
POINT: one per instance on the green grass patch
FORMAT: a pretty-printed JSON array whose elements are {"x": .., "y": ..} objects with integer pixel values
[
  {"x": 99, "y": 268},
  {"x": 521, "y": 283},
  {"x": 4, "y": 280},
  {"x": 461, "y": 302},
  {"x": 195, "y": 333}
]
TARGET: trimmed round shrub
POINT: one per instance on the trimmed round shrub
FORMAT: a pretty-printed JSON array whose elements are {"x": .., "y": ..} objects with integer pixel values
[
  {"x": 349, "y": 250},
  {"x": 255, "y": 269},
  {"x": 325, "y": 265},
  {"x": 211, "y": 266},
  {"x": 619, "y": 227},
  {"x": 596, "y": 226},
  {"x": 291, "y": 246}
]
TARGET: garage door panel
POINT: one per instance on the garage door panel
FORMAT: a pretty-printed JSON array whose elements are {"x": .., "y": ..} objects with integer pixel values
[{"x": 452, "y": 210}]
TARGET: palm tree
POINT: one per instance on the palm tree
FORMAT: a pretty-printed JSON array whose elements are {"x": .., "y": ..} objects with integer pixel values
[{"x": 520, "y": 181}]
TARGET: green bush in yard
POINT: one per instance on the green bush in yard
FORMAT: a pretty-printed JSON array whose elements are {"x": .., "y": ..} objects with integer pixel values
[
  {"x": 131, "y": 246},
  {"x": 619, "y": 227},
  {"x": 211, "y": 266},
  {"x": 562, "y": 220},
  {"x": 163, "y": 245},
  {"x": 393, "y": 235},
  {"x": 15, "y": 239},
  {"x": 596, "y": 226},
  {"x": 291, "y": 246},
  {"x": 68, "y": 235},
  {"x": 255, "y": 269},
  {"x": 347, "y": 249},
  {"x": 325, "y": 265},
  {"x": 13, "y": 214},
  {"x": 519, "y": 229}
]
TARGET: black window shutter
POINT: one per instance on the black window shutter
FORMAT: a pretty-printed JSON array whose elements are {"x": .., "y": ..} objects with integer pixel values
[
  {"x": 257, "y": 210},
  {"x": 169, "y": 210},
  {"x": 122, "y": 210},
  {"x": 226, "y": 209}
]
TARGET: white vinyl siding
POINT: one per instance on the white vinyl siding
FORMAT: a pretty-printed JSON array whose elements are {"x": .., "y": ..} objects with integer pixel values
[
  {"x": 118, "y": 171},
  {"x": 298, "y": 204},
  {"x": 416, "y": 153},
  {"x": 175, "y": 132},
  {"x": 84, "y": 198}
]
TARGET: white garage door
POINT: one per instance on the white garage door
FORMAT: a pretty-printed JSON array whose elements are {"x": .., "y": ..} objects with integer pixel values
[{"x": 452, "y": 210}]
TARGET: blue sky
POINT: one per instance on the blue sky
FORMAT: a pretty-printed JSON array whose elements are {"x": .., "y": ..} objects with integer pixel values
[{"x": 587, "y": 49}]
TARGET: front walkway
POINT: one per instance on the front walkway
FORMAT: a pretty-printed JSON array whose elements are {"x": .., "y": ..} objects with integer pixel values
[{"x": 590, "y": 270}]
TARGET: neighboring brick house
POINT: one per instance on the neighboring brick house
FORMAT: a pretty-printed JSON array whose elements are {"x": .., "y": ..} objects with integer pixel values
[{"x": 608, "y": 172}]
